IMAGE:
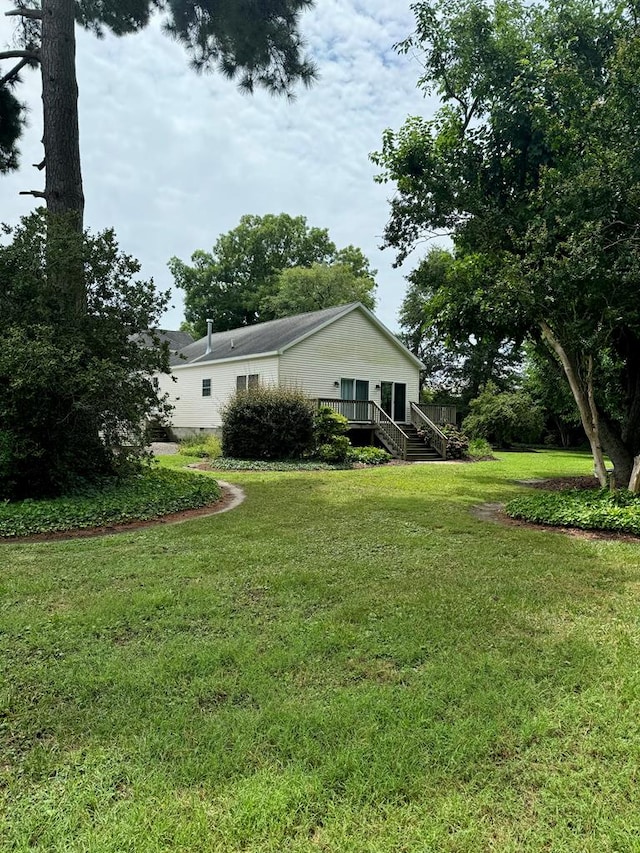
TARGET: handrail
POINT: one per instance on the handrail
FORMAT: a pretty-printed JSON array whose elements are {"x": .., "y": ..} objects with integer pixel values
[
  {"x": 390, "y": 429},
  {"x": 423, "y": 423},
  {"x": 439, "y": 414},
  {"x": 353, "y": 410}
]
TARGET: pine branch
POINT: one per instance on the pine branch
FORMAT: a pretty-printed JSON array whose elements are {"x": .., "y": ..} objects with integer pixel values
[
  {"x": 34, "y": 193},
  {"x": 14, "y": 72},
  {"x": 29, "y": 55},
  {"x": 25, "y": 13}
]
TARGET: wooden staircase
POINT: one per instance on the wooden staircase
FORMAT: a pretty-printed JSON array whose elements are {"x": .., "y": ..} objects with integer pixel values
[
  {"x": 404, "y": 441},
  {"x": 417, "y": 450}
]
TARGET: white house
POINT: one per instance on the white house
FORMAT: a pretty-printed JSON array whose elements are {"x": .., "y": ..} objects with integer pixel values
[{"x": 343, "y": 356}]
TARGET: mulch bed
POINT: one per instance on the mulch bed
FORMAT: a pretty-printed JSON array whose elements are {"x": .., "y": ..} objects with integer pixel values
[
  {"x": 557, "y": 484},
  {"x": 496, "y": 513}
]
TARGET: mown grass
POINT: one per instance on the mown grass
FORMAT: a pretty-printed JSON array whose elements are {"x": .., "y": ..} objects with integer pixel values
[{"x": 349, "y": 661}]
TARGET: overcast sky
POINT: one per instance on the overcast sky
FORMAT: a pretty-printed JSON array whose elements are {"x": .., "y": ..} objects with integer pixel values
[{"x": 172, "y": 159}]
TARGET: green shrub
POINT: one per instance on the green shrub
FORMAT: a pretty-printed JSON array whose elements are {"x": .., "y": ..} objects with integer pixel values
[
  {"x": 457, "y": 441},
  {"x": 202, "y": 446},
  {"x": 267, "y": 423},
  {"x": 147, "y": 495},
  {"x": 504, "y": 418},
  {"x": 328, "y": 424},
  {"x": 590, "y": 509},
  {"x": 329, "y": 435},
  {"x": 75, "y": 384},
  {"x": 369, "y": 455},
  {"x": 479, "y": 448},
  {"x": 338, "y": 449},
  {"x": 228, "y": 463}
]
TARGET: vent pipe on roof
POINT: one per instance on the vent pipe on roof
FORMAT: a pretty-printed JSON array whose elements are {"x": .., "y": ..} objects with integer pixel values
[{"x": 209, "y": 328}]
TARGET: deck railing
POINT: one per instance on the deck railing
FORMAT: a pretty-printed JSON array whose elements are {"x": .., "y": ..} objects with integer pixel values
[
  {"x": 358, "y": 411},
  {"x": 368, "y": 411},
  {"x": 389, "y": 430},
  {"x": 440, "y": 415},
  {"x": 422, "y": 423}
]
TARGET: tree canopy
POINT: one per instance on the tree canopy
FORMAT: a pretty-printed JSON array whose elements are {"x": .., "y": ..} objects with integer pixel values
[
  {"x": 301, "y": 289},
  {"x": 532, "y": 166},
  {"x": 257, "y": 44},
  {"x": 90, "y": 385},
  {"x": 242, "y": 281},
  {"x": 455, "y": 367},
  {"x": 75, "y": 392}
]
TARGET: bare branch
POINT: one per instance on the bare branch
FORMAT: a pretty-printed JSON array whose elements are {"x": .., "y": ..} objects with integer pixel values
[
  {"x": 25, "y": 13},
  {"x": 29, "y": 55},
  {"x": 35, "y": 193},
  {"x": 39, "y": 166},
  {"x": 14, "y": 71}
]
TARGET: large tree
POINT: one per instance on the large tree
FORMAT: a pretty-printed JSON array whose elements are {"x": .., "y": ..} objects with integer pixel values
[
  {"x": 301, "y": 289},
  {"x": 456, "y": 367},
  {"x": 256, "y": 43},
  {"x": 237, "y": 282},
  {"x": 532, "y": 166}
]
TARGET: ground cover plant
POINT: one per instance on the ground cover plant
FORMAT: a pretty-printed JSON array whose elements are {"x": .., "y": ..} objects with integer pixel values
[
  {"x": 589, "y": 509},
  {"x": 149, "y": 494},
  {"x": 201, "y": 447},
  {"x": 349, "y": 661}
]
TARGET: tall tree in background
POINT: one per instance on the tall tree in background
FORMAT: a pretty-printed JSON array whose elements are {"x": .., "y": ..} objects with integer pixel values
[
  {"x": 301, "y": 289},
  {"x": 237, "y": 282},
  {"x": 532, "y": 165}
]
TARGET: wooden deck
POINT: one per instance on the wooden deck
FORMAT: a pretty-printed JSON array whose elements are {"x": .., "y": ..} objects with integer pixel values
[{"x": 419, "y": 440}]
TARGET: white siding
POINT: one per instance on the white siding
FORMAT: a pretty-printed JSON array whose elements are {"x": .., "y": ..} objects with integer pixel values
[
  {"x": 350, "y": 348},
  {"x": 192, "y": 410}
]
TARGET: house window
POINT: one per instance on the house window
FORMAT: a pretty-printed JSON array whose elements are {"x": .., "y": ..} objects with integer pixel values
[
  {"x": 247, "y": 381},
  {"x": 206, "y": 387}
]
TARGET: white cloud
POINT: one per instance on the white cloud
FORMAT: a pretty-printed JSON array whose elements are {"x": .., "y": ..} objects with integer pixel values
[{"x": 172, "y": 159}]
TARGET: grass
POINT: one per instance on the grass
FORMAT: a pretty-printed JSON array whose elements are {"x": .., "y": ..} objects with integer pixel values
[
  {"x": 349, "y": 661},
  {"x": 589, "y": 509},
  {"x": 150, "y": 494}
]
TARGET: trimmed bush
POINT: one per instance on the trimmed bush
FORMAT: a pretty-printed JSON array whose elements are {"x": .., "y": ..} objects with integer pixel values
[
  {"x": 268, "y": 423},
  {"x": 336, "y": 450},
  {"x": 329, "y": 435}
]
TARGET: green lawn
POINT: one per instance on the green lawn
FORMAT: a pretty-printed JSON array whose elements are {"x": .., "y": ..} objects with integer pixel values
[{"x": 349, "y": 661}]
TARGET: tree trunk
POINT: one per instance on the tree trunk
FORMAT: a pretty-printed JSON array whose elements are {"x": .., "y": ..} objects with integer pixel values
[
  {"x": 63, "y": 187},
  {"x": 617, "y": 451},
  {"x": 584, "y": 401},
  {"x": 61, "y": 139}
]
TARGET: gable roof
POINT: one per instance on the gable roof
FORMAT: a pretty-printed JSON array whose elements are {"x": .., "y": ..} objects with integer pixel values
[
  {"x": 273, "y": 337},
  {"x": 177, "y": 340}
]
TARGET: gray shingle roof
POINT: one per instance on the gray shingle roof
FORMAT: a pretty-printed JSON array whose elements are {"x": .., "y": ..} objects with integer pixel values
[
  {"x": 262, "y": 338},
  {"x": 176, "y": 340}
]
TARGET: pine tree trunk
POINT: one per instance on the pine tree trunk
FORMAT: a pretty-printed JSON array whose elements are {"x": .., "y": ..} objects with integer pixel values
[
  {"x": 63, "y": 187},
  {"x": 61, "y": 139}
]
